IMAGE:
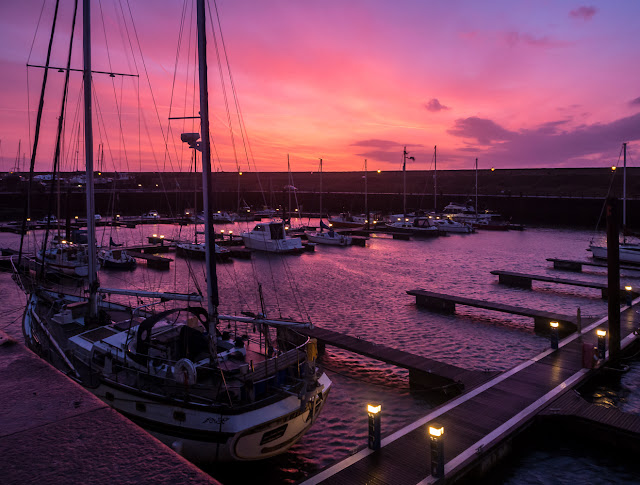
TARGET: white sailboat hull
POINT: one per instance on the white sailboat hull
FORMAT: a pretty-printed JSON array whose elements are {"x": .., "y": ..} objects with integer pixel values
[
  {"x": 203, "y": 435},
  {"x": 329, "y": 239},
  {"x": 629, "y": 253}
]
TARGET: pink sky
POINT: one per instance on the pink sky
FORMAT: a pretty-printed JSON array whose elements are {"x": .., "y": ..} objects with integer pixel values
[{"x": 516, "y": 84}]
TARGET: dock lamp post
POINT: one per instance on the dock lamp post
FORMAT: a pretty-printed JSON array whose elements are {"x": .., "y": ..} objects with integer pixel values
[
  {"x": 629, "y": 295},
  {"x": 602, "y": 343},
  {"x": 554, "y": 335},
  {"x": 373, "y": 410},
  {"x": 436, "y": 438}
]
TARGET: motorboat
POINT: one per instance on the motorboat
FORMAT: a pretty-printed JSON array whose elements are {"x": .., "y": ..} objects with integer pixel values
[
  {"x": 448, "y": 225},
  {"x": 419, "y": 227},
  {"x": 198, "y": 251},
  {"x": 271, "y": 237},
  {"x": 116, "y": 259},
  {"x": 346, "y": 220},
  {"x": 329, "y": 237},
  {"x": 65, "y": 257}
]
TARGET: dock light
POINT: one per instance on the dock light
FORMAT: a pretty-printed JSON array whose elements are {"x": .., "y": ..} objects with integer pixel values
[
  {"x": 296, "y": 210},
  {"x": 613, "y": 168},
  {"x": 155, "y": 235},
  {"x": 602, "y": 343},
  {"x": 156, "y": 185},
  {"x": 379, "y": 171},
  {"x": 330, "y": 224},
  {"x": 373, "y": 410},
  {"x": 406, "y": 220},
  {"x": 629, "y": 295},
  {"x": 139, "y": 185},
  {"x": 76, "y": 218},
  {"x": 79, "y": 185},
  {"x": 221, "y": 231},
  {"x": 161, "y": 237},
  {"x": 554, "y": 334},
  {"x": 230, "y": 232},
  {"x": 239, "y": 173},
  {"x": 63, "y": 242},
  {"x": 436, "y": 437},
  {"x": 493, "y": 169},
  {"x": 28, "y": 219}
]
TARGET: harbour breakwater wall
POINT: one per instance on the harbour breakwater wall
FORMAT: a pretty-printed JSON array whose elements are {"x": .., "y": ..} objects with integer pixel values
[{"x": 573, "y": 197}]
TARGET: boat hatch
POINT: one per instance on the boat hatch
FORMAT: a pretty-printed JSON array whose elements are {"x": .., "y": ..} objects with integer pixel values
[{"x": 99, "y": 333}]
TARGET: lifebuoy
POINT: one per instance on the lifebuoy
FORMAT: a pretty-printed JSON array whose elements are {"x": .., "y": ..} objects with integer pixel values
[{"x": 185, "y": 372}]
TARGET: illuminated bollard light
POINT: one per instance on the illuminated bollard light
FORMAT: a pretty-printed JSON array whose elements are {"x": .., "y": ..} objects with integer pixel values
[
  {"x": 554, "y": 335},
  {"x": 436, "y": 437},
  {"x": 629, "y": 295},
  {"x": 374, "y": 425},
  {"x": 602, "y": 343}
]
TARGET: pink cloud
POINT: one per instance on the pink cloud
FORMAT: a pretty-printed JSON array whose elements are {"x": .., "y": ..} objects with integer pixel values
[
  {"x": 483, "y": 130},
  {"x": 434, "y": 106},
  {"x": 583, "y": 13}
]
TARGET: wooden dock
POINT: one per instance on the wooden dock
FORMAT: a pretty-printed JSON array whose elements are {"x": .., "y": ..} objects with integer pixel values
[
  {"x": 479, "y": 424},
  {"x": 423, "y": 372},
  {"x": 523, "y": 280},
  {"x": 573, "y": 265},
  {"x": 443, "y": 303}
]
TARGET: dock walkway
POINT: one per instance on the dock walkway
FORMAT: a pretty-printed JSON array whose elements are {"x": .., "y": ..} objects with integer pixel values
[
  {"x": 523, "y": 280},
  {"x": 477, "y": 423},
  {"x": 573, "y": 265},
  {"x": 423, "y": 372},
  {"x": 447, "y": 304}
]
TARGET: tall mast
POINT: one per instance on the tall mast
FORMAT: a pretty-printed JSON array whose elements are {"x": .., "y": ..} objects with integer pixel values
[
  {"x": 435, "y": 179},
  {"x": 290, "y": 185},
  {"x": 404, "y": 180},
  {"x": 212, "y": 279},
  {"x": 624, "y": 193},
  {"x": 88, "y": 145},
  {"x": 404, "y": 183},
  {"x": 321, "y": 194},
  {"x": 476, "y": 189},
  {"x": 366, "y": 192}
]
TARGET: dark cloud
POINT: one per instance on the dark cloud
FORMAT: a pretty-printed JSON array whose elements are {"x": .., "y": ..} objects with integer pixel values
[
  {"x": 635, "y": 102},
  {"x": 374, "y": 143},
  {"x": 435, "y": 106},
  {"x": 549, "y": 144},
  {"x": 583, "y": 13},
  {"x": 483, "y": 130}
]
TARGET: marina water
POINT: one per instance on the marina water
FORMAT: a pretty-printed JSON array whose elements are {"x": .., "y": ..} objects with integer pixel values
[{"x": 361, "y": 291}]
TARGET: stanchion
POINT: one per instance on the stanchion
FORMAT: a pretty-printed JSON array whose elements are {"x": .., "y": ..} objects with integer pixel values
[
  {"x": 436, "y": 435},
  {"x": 374, "y": 412},
  {"x": 554, "y": 335}
]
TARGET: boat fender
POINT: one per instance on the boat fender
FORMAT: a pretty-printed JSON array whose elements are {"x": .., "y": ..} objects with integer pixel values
[{"x": 185, "y": 371}]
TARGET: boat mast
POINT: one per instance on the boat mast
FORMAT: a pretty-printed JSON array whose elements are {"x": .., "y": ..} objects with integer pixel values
[
  {"x": 212, "y": 279},
  {"x": 404, "y": 183},
  {"x": 435, "y": 179},
  {"x": 476, "y": 190},
  {"x": 88, "y": 144},
  {"x": 366, "y": 192},
  {"x": 624, "y": 194},
  {"x": 321, "y": 195}
]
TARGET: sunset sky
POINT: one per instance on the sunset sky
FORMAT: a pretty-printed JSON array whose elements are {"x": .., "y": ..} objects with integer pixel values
[{"x": 518, "y": 84}]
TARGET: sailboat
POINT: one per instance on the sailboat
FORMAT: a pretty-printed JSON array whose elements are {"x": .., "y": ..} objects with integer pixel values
[
  {"x": 211, "y": 396},
  {"x": 195, "y": 249},
  {"x": 629, "y": 252},
  {"x": 330, "y": 237}
]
